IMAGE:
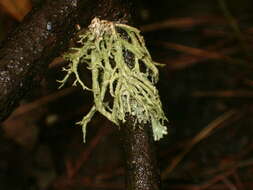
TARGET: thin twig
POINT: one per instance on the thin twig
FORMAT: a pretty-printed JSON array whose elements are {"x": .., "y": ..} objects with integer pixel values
[
  {"x": 238, "y": 181},
  {"x": 204, "y": 133},
  {"x": 26, "y": 108},
  {"x": 186, "y": 22},
  {"x": 224, "y": 94},
  {"x": 207, "y": 54},
  {"x": 235, "y": 27},
  {"x": 229, "y": 184}
]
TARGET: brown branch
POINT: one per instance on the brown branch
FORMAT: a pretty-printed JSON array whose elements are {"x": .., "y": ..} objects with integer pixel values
[
  {"x": 30, "y": 48},
  {"x": 42, "y": 35},
  {"x": 224, "y": 94},
  {"x": 185, "y": 22},
  {"x": 142, "y": 171},
  {"x": 224, "y": 119},
  {"x": 45, "y": 33}
]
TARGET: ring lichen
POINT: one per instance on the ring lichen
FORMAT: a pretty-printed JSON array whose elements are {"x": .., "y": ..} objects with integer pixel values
[{"x": 104, "y": 48}]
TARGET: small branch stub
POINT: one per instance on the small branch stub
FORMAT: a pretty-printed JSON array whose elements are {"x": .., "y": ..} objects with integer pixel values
[{"x": 103, "y": 51}]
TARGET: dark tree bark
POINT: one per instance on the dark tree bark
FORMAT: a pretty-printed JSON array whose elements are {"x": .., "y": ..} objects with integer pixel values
[
  {"x": 43, "y": 35},
  {"x": 142, "y": 171},
  {"x": 30, "y": 48}
]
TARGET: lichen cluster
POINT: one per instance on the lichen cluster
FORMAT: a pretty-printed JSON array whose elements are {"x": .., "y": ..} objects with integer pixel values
[{"x": 104, "y": 48}]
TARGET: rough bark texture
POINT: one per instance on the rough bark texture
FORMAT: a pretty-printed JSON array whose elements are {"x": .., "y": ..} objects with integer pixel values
[
  {"x": 40, "y": 37},
  {"x": 44, "y": 34},
  {"x": 142, "y": 171},
  {"x": 30, "y": 47}
]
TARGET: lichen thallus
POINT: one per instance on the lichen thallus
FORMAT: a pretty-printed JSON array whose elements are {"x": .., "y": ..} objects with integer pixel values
[{"x": 132, "y": 87}]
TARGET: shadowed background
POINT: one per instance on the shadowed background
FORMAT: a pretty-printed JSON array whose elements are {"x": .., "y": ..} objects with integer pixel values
[{"x": 206, "y": 91}]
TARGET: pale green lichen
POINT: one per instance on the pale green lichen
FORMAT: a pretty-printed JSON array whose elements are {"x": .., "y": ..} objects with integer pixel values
[{"x": 103, "y": 49}]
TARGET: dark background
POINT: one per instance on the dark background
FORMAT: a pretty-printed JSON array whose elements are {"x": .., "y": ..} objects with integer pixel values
[{"x": 206, "y": 91}]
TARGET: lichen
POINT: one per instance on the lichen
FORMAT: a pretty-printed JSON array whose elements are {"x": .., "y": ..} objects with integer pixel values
[{"x": 103, "y": 49}]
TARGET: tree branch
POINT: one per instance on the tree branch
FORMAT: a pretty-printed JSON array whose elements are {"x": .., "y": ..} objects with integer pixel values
[
  {"x": 142, "y": 171},
  {"x": 42, "y": 35}
]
